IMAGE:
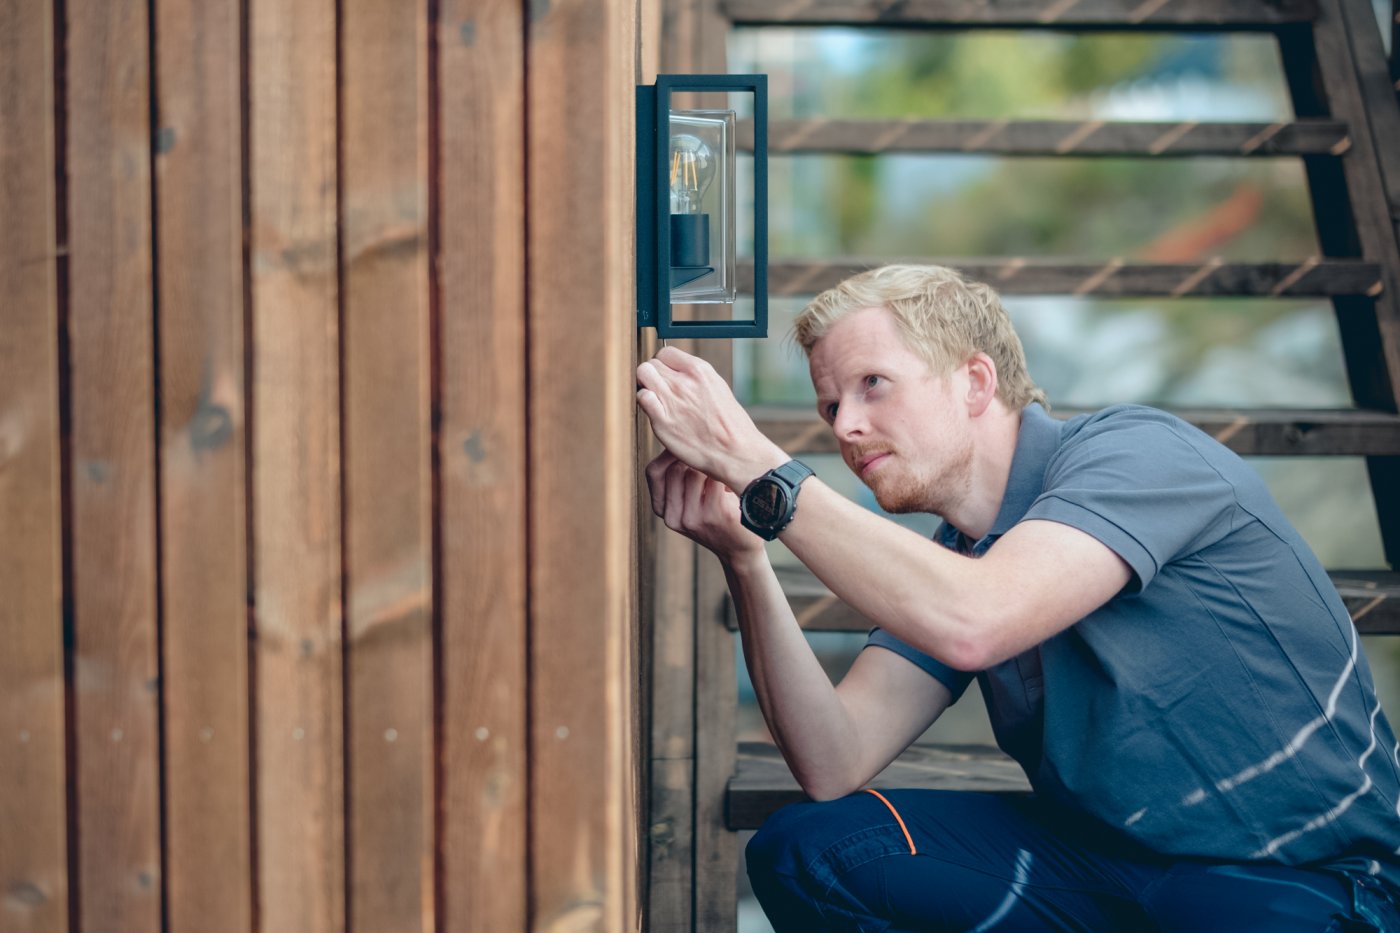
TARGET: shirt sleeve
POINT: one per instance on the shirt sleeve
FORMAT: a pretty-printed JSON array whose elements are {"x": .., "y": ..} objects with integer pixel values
[
  {"x": 1142, "y": 487},
  {"x": 956, "y": 681}
]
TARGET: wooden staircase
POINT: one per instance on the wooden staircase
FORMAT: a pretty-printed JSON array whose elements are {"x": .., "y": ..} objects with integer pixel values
[{"x": 1347, "y": 134}]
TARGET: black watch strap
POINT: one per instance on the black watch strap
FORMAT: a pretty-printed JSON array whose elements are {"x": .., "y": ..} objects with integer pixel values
[
  {"x": 788, "y": 479},
  {"x": 793, "y": 473}
]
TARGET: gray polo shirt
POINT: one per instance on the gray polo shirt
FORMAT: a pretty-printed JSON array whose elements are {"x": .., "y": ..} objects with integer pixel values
[{"x": 1220, "y": 706}]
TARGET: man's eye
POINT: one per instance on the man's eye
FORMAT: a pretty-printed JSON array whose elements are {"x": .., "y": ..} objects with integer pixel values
[
  {"x": 871, "y": 381},
  {"x": 831, "y": 412}
]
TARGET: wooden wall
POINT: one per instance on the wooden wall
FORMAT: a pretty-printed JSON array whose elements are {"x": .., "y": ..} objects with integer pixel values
[{"x": 317, "y": 466}]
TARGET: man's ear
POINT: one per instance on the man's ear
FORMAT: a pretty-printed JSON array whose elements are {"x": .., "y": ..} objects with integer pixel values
[{"x": 981, "y": 383}]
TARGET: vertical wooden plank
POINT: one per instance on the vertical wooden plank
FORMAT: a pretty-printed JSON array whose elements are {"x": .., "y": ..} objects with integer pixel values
[
  {"x": 670, "y": 832},
  {"x": 581, "y": 326},
  {"x": 716, "y": 712},
  {"x": 482, "y": 464},
  {"x": 199, "y": 232},
  {"x": 33, "y": 858},
  {"x": 388, "y": 531},
  {"x": 296, "y": 467},
  {"x": 113, "y": 467},
  {"x": 716, "y": 703},
  {"x": 695, "y": 37},
  {"x": 668, "y": 614}
]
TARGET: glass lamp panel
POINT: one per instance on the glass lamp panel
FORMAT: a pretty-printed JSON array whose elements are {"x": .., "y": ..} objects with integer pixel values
[{"x": 700, "y": 171}]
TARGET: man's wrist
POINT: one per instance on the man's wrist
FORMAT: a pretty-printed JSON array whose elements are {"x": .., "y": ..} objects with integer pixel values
[
  {"x": 745, "y": 564},
  {"x": 752, "y": 467}
]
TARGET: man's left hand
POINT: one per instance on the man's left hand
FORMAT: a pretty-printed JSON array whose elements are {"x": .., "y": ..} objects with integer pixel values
[{"x": 696, "y": 417}]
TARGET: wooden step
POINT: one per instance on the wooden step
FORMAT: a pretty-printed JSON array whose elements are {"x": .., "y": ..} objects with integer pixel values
[
  {"x": 1115, "y": 278},
  {"x": 1177, "y": 15},
  {"x": 1051, "y": 137},
  {"x": 1371, "y": 596},
  {"x": 1248, "y": 432},
  {"x": 762, "y": 782}
]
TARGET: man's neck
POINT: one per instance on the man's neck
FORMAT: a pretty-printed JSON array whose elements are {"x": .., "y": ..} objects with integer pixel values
[{"x": 993, "y": 449}]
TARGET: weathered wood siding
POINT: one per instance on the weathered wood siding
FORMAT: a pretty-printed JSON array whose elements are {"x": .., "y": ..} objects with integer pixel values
[{"x": 318, "y": 465}]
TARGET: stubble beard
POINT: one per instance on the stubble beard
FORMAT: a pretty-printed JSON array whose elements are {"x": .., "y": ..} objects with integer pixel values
[{"x": 902, "y": 491}]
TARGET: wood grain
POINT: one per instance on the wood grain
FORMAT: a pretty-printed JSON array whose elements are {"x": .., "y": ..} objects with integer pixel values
[
  {"x": 579, "y": 106},
  {"x": 113, "y": 478},
  {"x": 388, "y": 520},
  {"x": 482, "y": 464},
  {"x": 716, "y": 705},
  {"x": 33, "y": 858},
  {"x": 296, "y": 479},
  {"x": 199, "y": 233},
  {"x": 694, "y": 41},
  {"x": 669, "y": 610}
]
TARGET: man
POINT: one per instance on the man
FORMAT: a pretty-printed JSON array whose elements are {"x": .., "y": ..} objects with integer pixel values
[{"x": 1157, "y": 647}]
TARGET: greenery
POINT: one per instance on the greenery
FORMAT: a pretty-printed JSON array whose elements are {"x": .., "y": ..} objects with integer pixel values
[{"x": 1085, "y": 352}]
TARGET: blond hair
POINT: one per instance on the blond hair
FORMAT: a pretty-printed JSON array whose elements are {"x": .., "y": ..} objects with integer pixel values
[{"x": 944, "y": 317}]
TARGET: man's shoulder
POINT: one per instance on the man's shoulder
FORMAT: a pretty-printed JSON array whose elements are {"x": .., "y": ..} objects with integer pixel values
[
  {"x": 1136, "y": 428},
  {"x": 1119, "y": 417},
  {"x": 1144, "y": 439}
]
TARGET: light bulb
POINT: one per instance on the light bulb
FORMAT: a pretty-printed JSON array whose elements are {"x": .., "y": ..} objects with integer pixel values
[{"x": 692, "y": 170}]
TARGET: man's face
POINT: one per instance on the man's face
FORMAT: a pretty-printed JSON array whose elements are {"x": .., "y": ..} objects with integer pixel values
[{"x": 898, "y": 424}]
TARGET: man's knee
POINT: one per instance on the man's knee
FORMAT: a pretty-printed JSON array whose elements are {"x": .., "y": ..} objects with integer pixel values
[
  {"x": 775, "y": 846},
  {"x": 788, "y": 862}
]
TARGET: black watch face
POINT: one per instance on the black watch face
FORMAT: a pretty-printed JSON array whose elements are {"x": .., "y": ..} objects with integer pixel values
[{"x": 766, "y": 503}]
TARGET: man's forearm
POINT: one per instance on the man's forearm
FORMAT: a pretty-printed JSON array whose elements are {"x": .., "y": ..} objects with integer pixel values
[
  {"x": 807, "y": 718},
  {"x": 922, "y": 593},
  {"x": 1039, "y": 578}
]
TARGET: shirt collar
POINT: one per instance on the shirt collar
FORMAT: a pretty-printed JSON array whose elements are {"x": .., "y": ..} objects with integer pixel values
[{"x": 1036, "y": 442}]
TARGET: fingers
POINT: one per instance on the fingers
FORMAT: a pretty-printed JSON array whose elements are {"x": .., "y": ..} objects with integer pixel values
[
  {"x": 665, "y": 365},
  {"x": 715, "y": 490},
  {"x": 674, "y": 507},
  {"x": 695, "y": 483},
  {"x": 651, "y": 404},
  {"x": 652, "y": 386},
  {"x": 673, "y": 358},
  {"x": 656, "y": 482},
  {"x": 678, "y": 493},
  {"x": 671, "y": 377},
  {"x": 649, "y": 375}
]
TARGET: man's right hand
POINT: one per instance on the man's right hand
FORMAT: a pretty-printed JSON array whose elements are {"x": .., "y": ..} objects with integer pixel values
[{"x": 702, "y": 509}]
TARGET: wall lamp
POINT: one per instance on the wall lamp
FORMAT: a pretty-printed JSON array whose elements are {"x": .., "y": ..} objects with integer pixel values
[{"x": 686, "y": 206}]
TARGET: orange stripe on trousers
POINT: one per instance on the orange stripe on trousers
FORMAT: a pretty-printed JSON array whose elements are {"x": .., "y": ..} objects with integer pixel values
[{"x": 897, "y": 818}]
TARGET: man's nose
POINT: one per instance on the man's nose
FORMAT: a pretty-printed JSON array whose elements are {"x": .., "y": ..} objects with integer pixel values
[{"x": 849, "y": 424}]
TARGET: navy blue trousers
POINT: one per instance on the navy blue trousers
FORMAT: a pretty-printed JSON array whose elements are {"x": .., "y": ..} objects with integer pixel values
[{"x": 906, "y": 860}]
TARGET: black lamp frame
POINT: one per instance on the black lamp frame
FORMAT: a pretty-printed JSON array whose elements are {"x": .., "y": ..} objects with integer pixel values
[{"x": 654, "y": 206}]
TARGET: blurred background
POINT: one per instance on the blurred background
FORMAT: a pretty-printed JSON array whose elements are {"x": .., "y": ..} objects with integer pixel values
[{"x": 1085, "y": 353}]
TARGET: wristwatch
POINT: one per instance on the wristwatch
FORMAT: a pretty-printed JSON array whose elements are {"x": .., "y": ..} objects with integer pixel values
[{"x": 770, "y": 501}]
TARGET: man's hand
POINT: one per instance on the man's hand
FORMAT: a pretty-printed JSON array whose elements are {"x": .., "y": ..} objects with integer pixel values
[
  {"x": 700, "y": 508},
  {"x": 696, "y": 417}
]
